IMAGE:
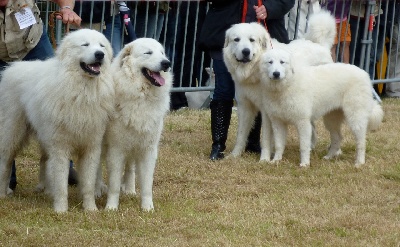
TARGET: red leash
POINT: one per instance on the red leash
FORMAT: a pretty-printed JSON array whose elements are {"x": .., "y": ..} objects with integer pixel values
[{"x": 244, "y": 12}]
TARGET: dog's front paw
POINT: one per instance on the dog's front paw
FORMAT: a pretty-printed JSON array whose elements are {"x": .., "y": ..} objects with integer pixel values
[
  {"x": 111, "y": 207},
  {"x": 40, "y": 187},
  {"x": 265, "y": 160},
  {"x": 128, "y": 191},
  {"x": 60, "y": 206},
  {"x": 10, "y": 192},
  {"x": 304, "y": 165},
  {"x": 147, "y": 204},
  {"x": 231, "y": 156},
  {"x": 234, "y": 154},
  {"x": 101, "y": 189},
  {"x": 332, "y": 154},
  {"x": 112, "y": 201}
]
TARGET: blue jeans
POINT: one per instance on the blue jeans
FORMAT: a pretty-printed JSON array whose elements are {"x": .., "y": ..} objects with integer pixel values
[
  {"x": 224, "y": 85},
  {"x": 114, "y": 34}
]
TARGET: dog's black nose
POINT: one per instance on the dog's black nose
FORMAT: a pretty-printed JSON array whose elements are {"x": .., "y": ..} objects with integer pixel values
[
  {"x": 165, "y": 65},
  {"x": 276, "y": 74},
  {"x": 99, "y": 55},
  {"x": 246, "y": 52}
]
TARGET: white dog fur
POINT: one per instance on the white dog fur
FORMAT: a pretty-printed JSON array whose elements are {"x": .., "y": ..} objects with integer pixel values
[
  {"x": 244, "y": 45},
  {"x": 299, "y": 95},
  {"x": 67, "y": 101},
  {"x": 134, "y": 132}
]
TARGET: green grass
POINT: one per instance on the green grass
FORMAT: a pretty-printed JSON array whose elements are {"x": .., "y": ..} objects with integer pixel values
[{"x": 231, "y": 202}]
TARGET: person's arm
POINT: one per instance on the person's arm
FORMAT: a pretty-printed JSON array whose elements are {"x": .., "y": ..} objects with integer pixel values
[
  {"x": 277, "y": 9},
  {"x": 68, "y": 14}
]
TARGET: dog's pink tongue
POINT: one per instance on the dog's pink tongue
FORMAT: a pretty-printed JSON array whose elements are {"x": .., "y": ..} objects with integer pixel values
[
  {"x": 156, "y": 76},
  {"x": 95, "y": 67}
]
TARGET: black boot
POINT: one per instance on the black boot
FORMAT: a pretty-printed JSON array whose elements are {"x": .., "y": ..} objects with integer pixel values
[
  {"x": 253, "y": 141},
  {"x": 221, "y": 111}
]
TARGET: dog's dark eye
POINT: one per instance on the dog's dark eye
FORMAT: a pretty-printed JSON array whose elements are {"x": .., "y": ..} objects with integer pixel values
[
  {"x": 270, "y": 62},
  {"x": 282, "y": 62},
  {"x": 101, "y": 45},
  {"x": 252, "y": 40},
  {"x": 148, "y": 53},
  {"x": 86, "y": 44},
  {"x": 236, "y": 40}
]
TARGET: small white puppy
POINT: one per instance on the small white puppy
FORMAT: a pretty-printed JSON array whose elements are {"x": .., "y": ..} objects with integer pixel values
[{"x": 338, "y": 92}]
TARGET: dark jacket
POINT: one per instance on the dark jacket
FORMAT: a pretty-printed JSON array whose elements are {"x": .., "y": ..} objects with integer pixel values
[{"x": 222, "y": 14}]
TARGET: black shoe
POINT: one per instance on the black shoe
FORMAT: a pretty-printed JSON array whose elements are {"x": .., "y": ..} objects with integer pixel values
[
  {"x": 72, "y": 176},
  {"x": 216, "y": 153}
]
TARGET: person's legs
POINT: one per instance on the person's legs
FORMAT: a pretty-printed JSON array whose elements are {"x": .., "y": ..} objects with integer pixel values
[
  {"x": 346, "y": 52},
  {"x": 145, "y": 20},
  {"x": 114, "y": 33},
  {"x": 221, "y": 109},
  {"x": 42, "y": 51}
]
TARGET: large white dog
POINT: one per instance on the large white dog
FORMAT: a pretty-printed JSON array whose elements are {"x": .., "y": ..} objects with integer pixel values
[
  {"x": 142, "y": 86},
  {"x": 244, "y": 45},
  {"x": 67, "y": 101},
  {"x": 298, "y": 95}
]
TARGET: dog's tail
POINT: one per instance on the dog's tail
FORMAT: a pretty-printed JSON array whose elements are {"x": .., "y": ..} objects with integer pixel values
[
  {"x": 321, "y": 28},
  {"x": 376, "y": 117}
]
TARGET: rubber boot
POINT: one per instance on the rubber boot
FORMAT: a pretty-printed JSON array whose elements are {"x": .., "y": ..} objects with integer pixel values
[
  {"x": 253, "y": 141},
  {"x": 221, "y": 111}
]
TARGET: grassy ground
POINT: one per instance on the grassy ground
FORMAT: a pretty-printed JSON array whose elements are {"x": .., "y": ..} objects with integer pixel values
[{"x": 230, "y": 202}]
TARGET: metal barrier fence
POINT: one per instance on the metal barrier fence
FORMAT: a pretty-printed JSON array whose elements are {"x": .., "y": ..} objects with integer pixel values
[{"x": 374, "y": 27}]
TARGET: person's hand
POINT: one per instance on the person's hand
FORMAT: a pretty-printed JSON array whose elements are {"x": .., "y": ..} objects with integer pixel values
[
  {"x": 69, "y": 16},
  {"x": 261, "y": 12}
]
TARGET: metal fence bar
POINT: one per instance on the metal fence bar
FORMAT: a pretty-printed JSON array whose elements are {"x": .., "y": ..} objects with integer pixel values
[{"x": 179, "y": 17}]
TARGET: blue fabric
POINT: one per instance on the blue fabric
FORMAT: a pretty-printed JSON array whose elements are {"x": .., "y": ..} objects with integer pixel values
[
  {"x": 116, "y": 33},
  {"x": 224, "y": 85},
  {"x": 150, "y": 29}
]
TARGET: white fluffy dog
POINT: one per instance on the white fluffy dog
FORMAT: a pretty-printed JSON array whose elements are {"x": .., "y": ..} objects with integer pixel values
[
  {"x": 67, "y": 101},
  {"x": 299, "y": 95},
  {"x": 244, "y": 45},
  {"x": 142, "y": 86}
]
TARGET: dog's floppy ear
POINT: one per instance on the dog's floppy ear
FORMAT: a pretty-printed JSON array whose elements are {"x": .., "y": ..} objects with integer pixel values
[
  {"x": 268, "y": 41},
  {"x": 125, "y": 53},
  {"x": 227, "y": 35},
  {"x": 264, "y": 36}
]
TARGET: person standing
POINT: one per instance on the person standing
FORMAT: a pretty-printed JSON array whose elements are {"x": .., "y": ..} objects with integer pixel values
[
  {"x": 23, "y": 37},
  {"x": 221, "y": 15}
]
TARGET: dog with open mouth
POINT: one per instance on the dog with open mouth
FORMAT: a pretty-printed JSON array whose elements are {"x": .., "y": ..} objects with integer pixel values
[
  {"x": 143, "y": 81},
  {"x": 244, "y": 45},
  {"x": 66, "y": 101}
]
